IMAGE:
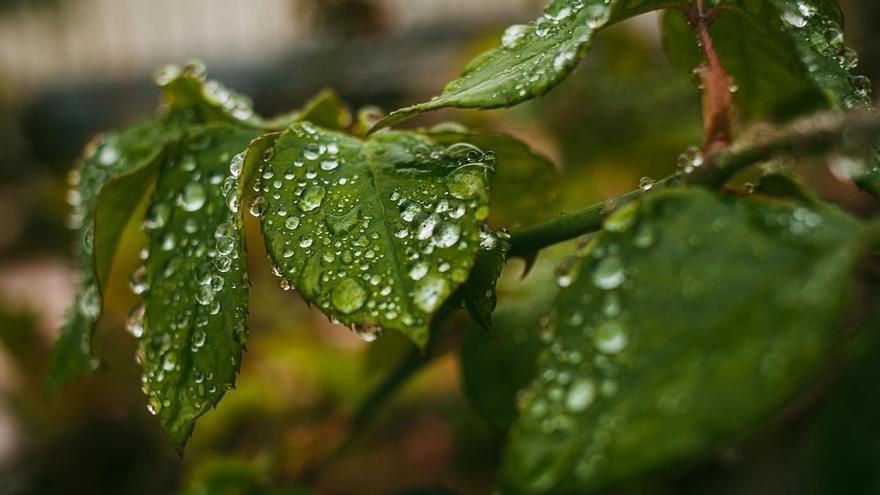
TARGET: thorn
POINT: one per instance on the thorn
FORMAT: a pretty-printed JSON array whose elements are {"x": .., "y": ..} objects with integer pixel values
[{"x": 530, "y": 263}]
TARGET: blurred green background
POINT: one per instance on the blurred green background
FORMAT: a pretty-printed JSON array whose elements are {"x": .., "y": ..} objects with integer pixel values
[{"x": 72, "y": 68}]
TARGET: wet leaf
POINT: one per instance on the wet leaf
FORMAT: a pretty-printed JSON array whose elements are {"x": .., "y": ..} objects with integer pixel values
[
  {"x": 495, "y": 367},
  {"x": 375, "y": 233},
  {"x": 326, "y": 109},
  {"x": 191, "y": 328},
  {"x": 478, "y": 292},
  {"x": 532, "y": 59},
  {"x": 691, "y": 319},
  {"x": 787, "y": 57},
  {"x": 526, "y": 182},
  {"x": 112, "y": 180},
  {"x": 188, "y": 88}
]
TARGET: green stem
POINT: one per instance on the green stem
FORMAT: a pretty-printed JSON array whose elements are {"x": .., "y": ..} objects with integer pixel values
[
  {"x": 814, "y": 134},
  {"x": 412, "y": 363}
]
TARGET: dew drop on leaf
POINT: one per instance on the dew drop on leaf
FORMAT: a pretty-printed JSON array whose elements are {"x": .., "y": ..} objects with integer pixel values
[
  {"x": 348, "y": 296},
  {"x": 581, "y": 394},
  {"x": 193, "y": 197},
  {"x": 609, "y": 274}
]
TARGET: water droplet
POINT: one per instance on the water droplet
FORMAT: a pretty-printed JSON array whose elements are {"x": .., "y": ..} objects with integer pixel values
[
  {"x": 198, "y": 339},
  {"x": 291, "y": 223},
  {"x": 581, "y": 394},
  {"x": 258, "y": 206},
  {"x": 609, "y": 273},
  {"x": 368, "y": 333},
  {"x": 312, "y": 151},
  {"x": 345, "y": 223},
  {"x": 513, "y": 34},
  {"x": 690, "y": 159},
  {"x": 565, "y": 272},
  {"x": 428, "y": 293},
  {"x": 646, "y": 183},
  {"x": 138, "y": 280},
  {"x": 419, "y": 270},
  {"x": 312, "y": 198},
  {"x": 135, "y": 322},
  {"x": 204, "y": 295},
  {"x": 426, "y": 228},
  {"x": 464, "y": 184},
  {"x": 236, "y": 164},
  {"x": 610, "y": 337},
  {"x": 193, "y": 197},
  {"x": 348, "y": 296},
  {"x": 447, "y": 235},
  {"x": 158, "y": 216}
]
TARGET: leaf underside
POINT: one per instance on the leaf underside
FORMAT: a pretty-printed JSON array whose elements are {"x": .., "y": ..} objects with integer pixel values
[
  {"x": 496, "y": 366},
  {"x": 377, "y": 233},
  {"x": 117, "y": 170},
  {"x": 691, "y": 319}
]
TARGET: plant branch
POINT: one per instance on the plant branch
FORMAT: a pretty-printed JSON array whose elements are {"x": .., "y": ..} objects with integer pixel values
[
  {"x": 811, "y": 135},
  {"x": 409, "y": 365}
]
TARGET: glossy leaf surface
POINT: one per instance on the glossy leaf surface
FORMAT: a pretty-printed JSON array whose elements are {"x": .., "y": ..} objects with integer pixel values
[
  {"x": 532, "y": 59},
  {"x": 377, "y": 233},
  {"x": 691, "y": 319},
  {"x": 191, "y": 328}
]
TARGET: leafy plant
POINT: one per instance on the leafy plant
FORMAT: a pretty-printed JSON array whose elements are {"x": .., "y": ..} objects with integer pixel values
[{"x": 631, "y": 360}]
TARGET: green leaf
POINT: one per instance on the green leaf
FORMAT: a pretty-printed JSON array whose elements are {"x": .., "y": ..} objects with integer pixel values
[
  {"x": 188, "y": 88},
  {"x": 692, "y": 318},
  {"x": 787, "y": 186},
  {"x": 526, "y": 182},
  {"x": 786, "y": 56},
  {"x": 532, "y": 59},
  {"x": 479, "y": 290},
  {"x": 191, "y": 327},
  {"x": 495, "y": 367},
  {"x": 111, "y": 182},
  {"x": 375, "y": 233},
  {"x": 326, "y": 109}
]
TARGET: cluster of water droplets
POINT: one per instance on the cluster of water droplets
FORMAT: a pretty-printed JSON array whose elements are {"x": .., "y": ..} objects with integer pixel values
[
  {"x": 689, "y": 160},
  {"x": 372, "y": 242},
  {"x": 215, "y": 93},
  {"x": 191, "y": 272},
  {"x": 826, "y": 36},
  {"x": 571, "y": 23},
  {"x": 588, "y": 335},
  {"x": 103, "y": 160}
]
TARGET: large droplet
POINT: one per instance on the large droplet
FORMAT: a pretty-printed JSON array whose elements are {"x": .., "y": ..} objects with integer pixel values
[
  {"x": 610, "y": 337},
  {"x": 447, "y": 235},
  {"x": 135, "y": 322},
  {"x": 345, "y": 223},
  {"x": 464, "y": 184},
  {"x": 193, "y": 197},
  {"x": 236, "y": 164},
  {"x": 348, "y": 296},
  {"x": 580, "y": 395},
  {"x": 428, "y": 293},
  {"x": 609, "y": 274},
  {"x": 312, "y": 198},
  {"x": 258, "y": 206}
]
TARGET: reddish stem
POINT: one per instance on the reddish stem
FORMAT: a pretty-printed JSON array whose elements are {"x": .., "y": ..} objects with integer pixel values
[{"x": 717, "y": 99}]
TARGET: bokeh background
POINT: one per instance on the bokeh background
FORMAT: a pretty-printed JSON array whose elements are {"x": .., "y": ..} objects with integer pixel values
[{"x": 72, "y": 68}]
